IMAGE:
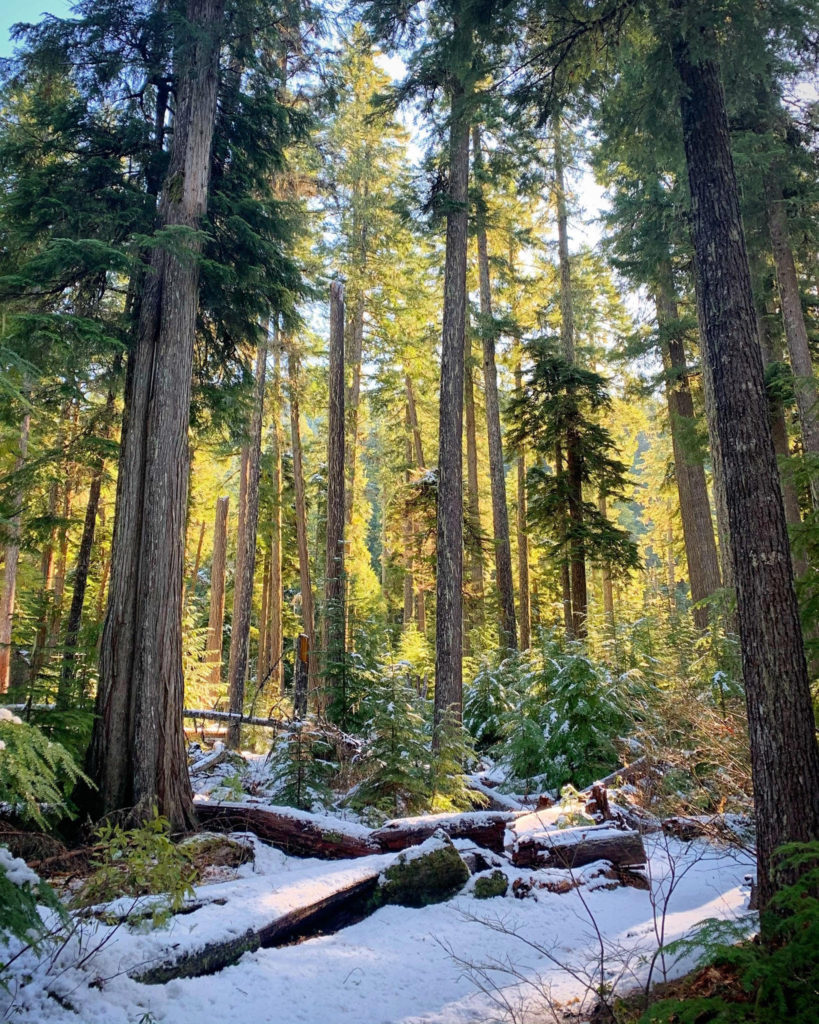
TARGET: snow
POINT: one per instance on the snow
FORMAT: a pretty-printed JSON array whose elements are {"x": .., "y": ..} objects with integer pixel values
[
  {"x": 400, "y": 965},
  {"x": 15, "y": 869}
]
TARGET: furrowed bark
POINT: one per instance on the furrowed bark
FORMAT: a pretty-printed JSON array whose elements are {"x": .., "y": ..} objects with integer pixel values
[
  {"x": 246, "y": 565},
  {"x": 12, "y": 556},
  {"x": 692, "y": 488},
  {"x": 497, "y": 469},
  {"x": 216, "y": 619},
  {"x": 137, "y": 756},
  {"x": 784, "y": 753}
]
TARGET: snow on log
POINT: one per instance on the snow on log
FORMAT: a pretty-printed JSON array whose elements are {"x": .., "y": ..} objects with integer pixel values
[
  {"x": 484, "y": 828},
  {"x": 328, "y": 913},
  {"x": 574, "y": 847},
  {"x": 296, "y": 832}
]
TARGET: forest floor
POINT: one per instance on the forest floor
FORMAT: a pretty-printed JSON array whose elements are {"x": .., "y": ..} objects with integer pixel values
[{"x": 530, "y": 959}]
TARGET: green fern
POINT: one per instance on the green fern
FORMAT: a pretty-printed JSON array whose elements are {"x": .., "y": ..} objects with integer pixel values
[{"x": 36, "y": 774}]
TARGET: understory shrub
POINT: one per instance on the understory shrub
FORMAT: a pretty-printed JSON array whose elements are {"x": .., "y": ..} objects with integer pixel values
[
  {"x": 21, "y": 891},
  {"x": 778, "y": 980},
  {"x": 302, "y": 766},
  {"x": 139, "y": 862},
  {"x": 36, "y": 774}
]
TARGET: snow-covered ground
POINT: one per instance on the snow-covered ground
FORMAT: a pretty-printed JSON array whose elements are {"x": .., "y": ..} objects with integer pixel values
[{"x": 397, "y": 966}]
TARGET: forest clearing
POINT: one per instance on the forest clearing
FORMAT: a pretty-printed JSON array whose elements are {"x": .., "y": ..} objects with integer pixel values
[{"x": 409, "y": 512}]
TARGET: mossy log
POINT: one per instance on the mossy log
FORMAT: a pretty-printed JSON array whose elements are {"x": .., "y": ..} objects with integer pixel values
[
  {"x": 295, "y": 832},
  {"x": 574, "y": 847},
  {"x": 333, "y": 911},
  {"x": 484, "y": 828}
]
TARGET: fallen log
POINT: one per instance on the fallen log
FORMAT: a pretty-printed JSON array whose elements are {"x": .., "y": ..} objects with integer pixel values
[
  {"x": 296, "y": 832},
  {"x": 329, "y": 913},
  {"x": 574, "y": 847},
  {"x": 484, "y": 828}
]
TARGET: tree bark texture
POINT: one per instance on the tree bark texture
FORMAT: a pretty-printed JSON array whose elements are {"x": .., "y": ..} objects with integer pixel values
[
  {"x": 524, "y": 611},
  {"x": 692, "y": 488},
  {"x": 12, "y": 557},
  {"x": 83, "y": 567},
  {"x": 307, "y": 606},
  {"x": 246, "y": 556},
  {"x": 784, "y": 753},
  {"x": 473, "y": 504},
  {"x": 137, "y": 755},
  {"x": 796, "y": 333},
  {"x": 497, "y": 469},
  {"x": 574, "y": 461},
  {"x": 275, "y": 634},
  {"x": 216, "y": 618},
  {"x": 449, "y": 574},
  {"x": 352, "y": 402},
  {"x": 334, "y": 640}
]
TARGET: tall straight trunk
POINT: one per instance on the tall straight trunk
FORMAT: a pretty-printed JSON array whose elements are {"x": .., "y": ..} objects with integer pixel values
[
  {"x": 608, "y": 589},
  {"x": 12, "y": 557},
  {"x": 275, "y": 627},
  {"x": 796, "y": 333},
  {"x": 197, "y": 559},
  {"x": 497, "y": 470},
  {"x": 352, "y": 402},
  {"x": 263, "y": 656},
  {"x": 524, "y": 612},
  {"x": 307, "y": 606},
  {"x": 408, "y": 536},
  {"x": 577, "y": 566},
  {"x": 61, "y": 563},
  {"x": 565, "y": 573},
  {"x": 334, "y": 639},
  {"x": 779, "y": 432},
  {"x": 784, "y": 753},
  {"x": 83, "y": 566},
  {"x": 39, "y": 654},
  {"x": 574, "y": 458},
  {"x": 137, "y": 755},
  {"x": 412, "y": 409},
  {"x": 246, "y": 557},
  {"x": 476, "y": 597},
  {"x": 450, "y": 523},
  {"x": 216, "y": 618},
  {"x": 692, "y": 487}
]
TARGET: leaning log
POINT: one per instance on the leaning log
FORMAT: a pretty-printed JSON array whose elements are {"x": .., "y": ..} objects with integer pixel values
[
  {"x": 484, "y": 828},
  {"x": 327, "y": 914},
  {"x": 574, "y": 847},
  {"x": 295, "y": 832}
]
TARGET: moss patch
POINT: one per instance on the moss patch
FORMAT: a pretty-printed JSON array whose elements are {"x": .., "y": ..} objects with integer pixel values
[
  {"x": 488, "y": 886},
  {"x": 418, "y": 878}
]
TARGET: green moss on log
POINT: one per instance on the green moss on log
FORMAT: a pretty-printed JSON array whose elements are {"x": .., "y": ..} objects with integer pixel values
[
  {"x": 488, "y": 886},
  {"x": 418, "y": 879}
]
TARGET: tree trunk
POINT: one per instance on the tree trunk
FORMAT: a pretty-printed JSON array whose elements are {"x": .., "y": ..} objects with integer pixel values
[
  {"x": 523, "y": 541},
  {"x": 608, "y": 590},
  {"x": 334, "y": 639},
  {"x": 275, "y": 641},
  {"x": 263, "y": 657},
  {"x": 497, "y": 470},
  {"x": 246, "y": 557},
  {"x": 574, "y": 459},
  {"x": 72, "y": 630},
  {"x": 476, "y": 597},
  {"x": 216, "y": 619},
  {"x": 137, "y": 754},
  {"x": 12, "y": 557},
  {"x": 191, "y": 587},
  {"x": 420, "y": 462},
  {"x": 779, "y": 432},
  {"x": 408, "y": 536},
  {"x": 796, "y": 334},
  {"x": 784, "y": 753},
  {"x": 449, "y": 574},
  {"x": 307, "y": 613},
  {"x": 353, "y": 399},
  {"x": 692, "y": 488},
  {"x": 565, "y": 575}
]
